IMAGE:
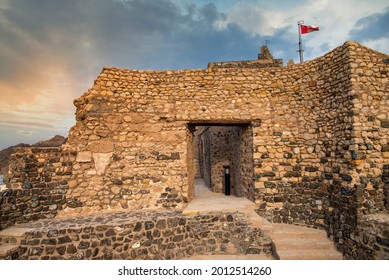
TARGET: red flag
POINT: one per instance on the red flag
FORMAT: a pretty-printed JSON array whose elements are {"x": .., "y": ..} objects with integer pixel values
[{"x": 308, "y": 28}]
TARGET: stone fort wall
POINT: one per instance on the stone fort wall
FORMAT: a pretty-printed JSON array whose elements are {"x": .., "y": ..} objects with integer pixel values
[
  {"x": 145, "y": 235},
  {"x": 319, "y": 138},
  {"x": 37, "y": 183},
  {"x": 132, "y": 129}
]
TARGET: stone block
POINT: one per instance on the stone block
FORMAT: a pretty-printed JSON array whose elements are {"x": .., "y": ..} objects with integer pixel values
[
  {"x": 268, "y": 184},
  {"x": 259, "y": 185},
  {"x": 113, "y": 122},
  {"x": 71, "y": 249},
  {"x": 385, "y": 123},
  {"x": 311, "y": 169},
  {"x": 101, "y": 161},
  {"x": 346, "y": 177},
  {"x": 356, "y": 162},
  {"x": 85, "y": 156},
  {"x": 101, "y": 147},
  {"x": 287, "y": 155}
]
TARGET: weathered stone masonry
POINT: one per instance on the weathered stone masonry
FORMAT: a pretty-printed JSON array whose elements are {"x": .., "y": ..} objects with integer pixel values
[
  {"x": 141, "y": 235},
  {"x": 319, "y": 142},
  {"x": 39, "y": 180}
]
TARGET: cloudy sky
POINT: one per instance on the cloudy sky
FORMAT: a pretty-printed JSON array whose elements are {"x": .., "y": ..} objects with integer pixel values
[{"x": 52, "y": 50}]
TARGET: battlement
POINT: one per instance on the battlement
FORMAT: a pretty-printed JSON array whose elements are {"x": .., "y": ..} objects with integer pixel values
[{"x": 265, "y": 60}]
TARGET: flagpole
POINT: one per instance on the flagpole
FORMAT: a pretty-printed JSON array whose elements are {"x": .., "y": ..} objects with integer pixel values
[{"x": 300, "y": 51}]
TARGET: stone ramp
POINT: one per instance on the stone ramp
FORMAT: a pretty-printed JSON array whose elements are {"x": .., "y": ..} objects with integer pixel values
[{"x": 292, "y": 242}]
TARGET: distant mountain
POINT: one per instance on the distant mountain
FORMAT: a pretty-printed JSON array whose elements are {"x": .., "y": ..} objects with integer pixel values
[
  {"x": 56, "y": 141},
  {"x": 5, "y": 154}
]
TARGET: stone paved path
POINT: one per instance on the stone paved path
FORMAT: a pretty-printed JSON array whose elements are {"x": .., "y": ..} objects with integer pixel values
[{"x": 208, "y": 201}]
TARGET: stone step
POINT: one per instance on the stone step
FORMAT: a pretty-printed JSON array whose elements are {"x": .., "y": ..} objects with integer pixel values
[
  {"x": 6, "y": 251},
  {"x": 292, "y": 242},
  {"x": 297, "y": 236},
  {"x": 12, "y": 235},
  {"x": 296, "y": 232},
  {"x": 327, "y": 254},
  {"x": 308, "y": 243}
]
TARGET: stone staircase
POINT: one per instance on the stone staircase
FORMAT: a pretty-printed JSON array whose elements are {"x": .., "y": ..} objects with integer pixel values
[
  {"x": 292, "y": 242},
  {"x": 289, "y": 242},
  {"x": 10, "y": 242}
]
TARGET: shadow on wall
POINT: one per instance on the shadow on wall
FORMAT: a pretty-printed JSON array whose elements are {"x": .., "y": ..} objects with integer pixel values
[{"x": 385, "y": 180}]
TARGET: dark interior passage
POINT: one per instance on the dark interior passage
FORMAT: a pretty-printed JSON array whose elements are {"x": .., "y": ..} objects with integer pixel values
[{"x": 217, "y": 147}]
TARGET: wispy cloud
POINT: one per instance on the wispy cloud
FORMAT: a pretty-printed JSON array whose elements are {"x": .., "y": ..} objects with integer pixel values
[
  {"x": 27, "y": 124},
  {"x": 25, "y": 132}
]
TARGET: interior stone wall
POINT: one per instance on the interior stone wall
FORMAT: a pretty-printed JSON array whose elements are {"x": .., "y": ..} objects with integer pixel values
[
  {"x": 244, "y": 158},
  {"x": 205, "y": 155},
  {"x": 223, "y": 141},
  {"x": 190, "y": 154}
]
